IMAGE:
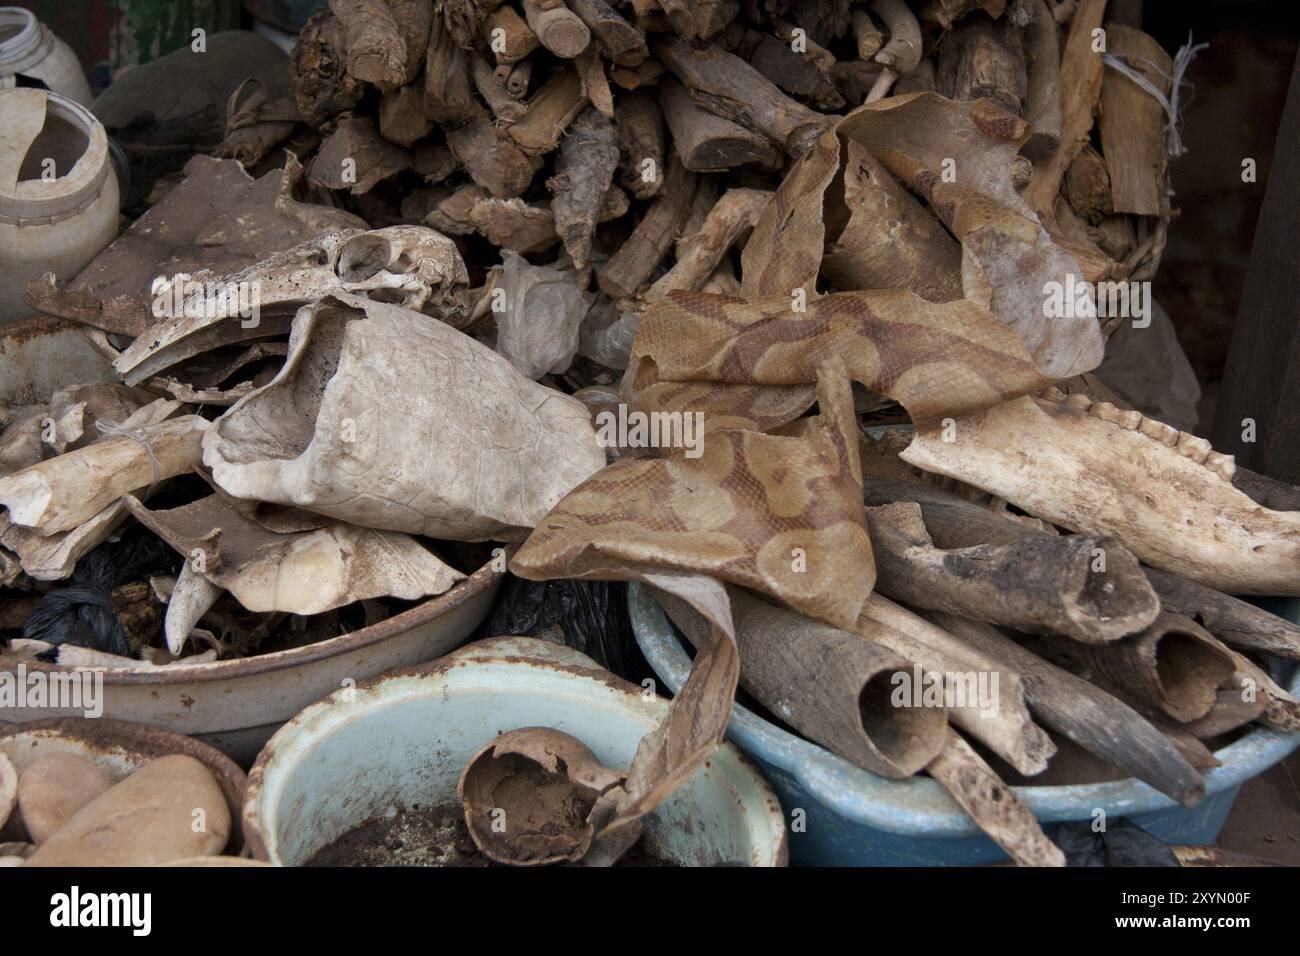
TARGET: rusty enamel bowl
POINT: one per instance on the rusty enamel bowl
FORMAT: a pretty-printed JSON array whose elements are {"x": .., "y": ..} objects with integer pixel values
[
  {"x": 118, "y": 749},
  {"x": 234, "y": 705}
]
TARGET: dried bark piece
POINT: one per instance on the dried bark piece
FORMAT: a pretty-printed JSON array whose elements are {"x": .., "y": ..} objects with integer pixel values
[
  {"x": 725, "y": 84},
  {"x": 528, "y": 795},
  {"x": 1084, "y": 713},
  {"x": 595, "y": 84},
  {"x": 402, "y": 119},
  {"x": 705, "y": 141},
  {"x": 550, "y": 111},
  {"x": 799, "y": 74},
  {"x": 699, "y": 19},
  {"x": 631, "y": 266},
  {"x": 1174, "y": 665},
  {"x": 640, "y": 138},
  {"x": 1132, "y": 124},
  {"x": 62, "y": 493},
  {"x": 322, "y": 85},
  {"x": 1281, "y": 710},
  {"x": 414, "y": 19},
  {"x": 621, "y": 41},
  {"x": 1002, "y": 724},
  {"x": 1227, "y": 618},
  {"x": 1043, "y": 94},
  {"x": 375, "y": 45},
  {"x": 984, "y": 58},
  {"x": 504, "y": 107},
  {"x": 700, "y": 252},
  {"x": 834, "y": 688},
  {"x": 448, "y": 99},
  {"x": 124, "y": 315},
  {"x": 529, "y": 444},
  {"x": 558, "y": 28},
  {"x": 491, "y": 156},
  {"x": 584, "y": 172},
  {"x": 53, "y": 788},
  {"x": 305, "y": 572},
  {"x": 1038, "y": 585},
  {"x": 1081, "y": 71},
  {"x": 356, "y": 158},
  {"x": 1092, "y": 468},
  {"x": 992, "y": 805},
  {"x": 514, "y": 41}
]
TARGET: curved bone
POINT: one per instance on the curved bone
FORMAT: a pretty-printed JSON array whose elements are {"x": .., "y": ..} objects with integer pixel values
[
  {"x": 412, "y": 266},
  {"x": 1164, "y": 494}
]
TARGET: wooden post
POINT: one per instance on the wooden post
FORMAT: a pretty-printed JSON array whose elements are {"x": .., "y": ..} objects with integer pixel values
[{"x": 1261, "y": 382}]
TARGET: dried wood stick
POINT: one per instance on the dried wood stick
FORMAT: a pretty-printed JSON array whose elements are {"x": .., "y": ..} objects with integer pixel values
[
  {"x": 641, "y": 143},
  {"x": 1132, "y": 124},
  {"x": 725, "y": 84},
  {"x": 402, "y": 116},
  {"x": 1085, "y": 587},
  {"x": 595, "y": 84},
  {"x": 699, "y": 19},
  {"x": 700, "y": 252},
  {"x": 629, "y": 268},
  {"x": 558, "y": 28},
  {"x": 1174, "y": 665},
  {"x": 61, "y": 493},
  {"x": 992, "y": 804},
  {"x": 550, "y": 111},
  {"x": 903, "y": 51},
  {"x": 517, "y": 82},
  {"x": 1043, "y": 96},
  {"x": 981, "y": 57},
  {"x": 448, "y": 99},
  {"x": 1005, "y": 727},
  {"x": 866, "y": 34},
  {"x": 705, "y": 141},
  {"x": 508, "y": 36},
  {"x": 583, "y": 174},
  {"x": 834, "y": 688},
  {"x": 624, "y": 43},
  {"x": 492, "y": 158},
  {"x": 504, "y": 107},
  {"x": 376, "y": 49},
  {"x": 1095, "y": 720},
  {"x": 1080, "y": 90}
]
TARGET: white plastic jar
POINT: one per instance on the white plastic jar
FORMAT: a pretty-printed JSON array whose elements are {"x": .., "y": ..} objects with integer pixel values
[
  {"x": 28, "y": 48},
  {"x": 58, "y": 192}
]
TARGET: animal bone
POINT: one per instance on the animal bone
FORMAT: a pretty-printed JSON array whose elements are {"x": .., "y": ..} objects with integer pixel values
[
  {"x": 412, "y": 266},
  {"x": 834, "y": 688},
  {"x": 1095, "y": 720},
  {"x": 1004, "y": 725},
  {"x": 62, "y": 493},
  {"x": 1092, "y": 468},
  {"x": 307, "y": 572},
  {"x": 1041, "y": 584},
  {"x": 476, "y": 451}
]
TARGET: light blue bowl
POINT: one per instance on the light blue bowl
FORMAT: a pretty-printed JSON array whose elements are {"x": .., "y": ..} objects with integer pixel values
[{"x": 854, "y": 818}]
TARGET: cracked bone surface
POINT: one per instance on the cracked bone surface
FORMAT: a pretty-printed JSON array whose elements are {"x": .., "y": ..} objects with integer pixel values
[
  {"x": 411, "y": 266},
  {"x": 472, "y": 450},
  {"x": 1092, "y": 468}
]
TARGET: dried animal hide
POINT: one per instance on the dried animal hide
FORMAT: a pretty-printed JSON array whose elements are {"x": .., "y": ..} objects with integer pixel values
[
  {"x": 411, "y": 266},
  {"x": 475, "y": 452},
  {"x": 935, "y": 358},
  {"x": 752, "y": 509},
  {"x": 1093, "y": 468},
  {"x": 306, "y": 572}
]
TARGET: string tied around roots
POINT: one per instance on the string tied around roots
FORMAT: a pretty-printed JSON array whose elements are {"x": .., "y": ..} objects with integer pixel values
[{"x": 1170, "y": 104}]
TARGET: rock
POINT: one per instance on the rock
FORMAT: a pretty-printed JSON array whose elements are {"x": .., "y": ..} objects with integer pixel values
[
  {"x": 149, "y": 818},
  {"x": 54, "y": 788}
]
